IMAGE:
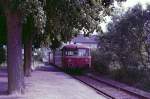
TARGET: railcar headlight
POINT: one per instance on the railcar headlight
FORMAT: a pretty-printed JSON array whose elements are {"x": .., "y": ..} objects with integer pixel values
[
  {"x": 69, "y": 60},
  {"x": 86, "y": 60}
]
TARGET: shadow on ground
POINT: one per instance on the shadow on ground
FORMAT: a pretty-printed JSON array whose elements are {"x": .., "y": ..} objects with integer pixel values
[
  {"x": 48, "y": 69},
  {"x": 3, "y": 88},
  {"x": 3, "y": 82},
  {"x": 3, "y": 75}
]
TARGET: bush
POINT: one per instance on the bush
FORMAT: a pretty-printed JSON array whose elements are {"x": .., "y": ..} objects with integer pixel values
[
  {"x": 99, "y": 62},
  {"x": 100, "y": 67},
  {"x": 127, "y": 75},
  {"x": 2, "y": 55},
  {"x": 145, "y": 83}
]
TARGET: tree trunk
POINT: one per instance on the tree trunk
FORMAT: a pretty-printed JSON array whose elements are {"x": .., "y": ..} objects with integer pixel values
[
  {"x": 28, "y": 56},
  {"x": 54, "y": 56},
  {"x": 14, "y": 52}
]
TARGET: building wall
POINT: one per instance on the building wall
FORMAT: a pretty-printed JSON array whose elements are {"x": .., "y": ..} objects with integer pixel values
[
  {"x": 90, "y": 41},
  {"x": 91, "y": 45}
]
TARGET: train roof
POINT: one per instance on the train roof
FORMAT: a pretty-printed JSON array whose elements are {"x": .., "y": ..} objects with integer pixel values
[{"x": 74, "y": 46}]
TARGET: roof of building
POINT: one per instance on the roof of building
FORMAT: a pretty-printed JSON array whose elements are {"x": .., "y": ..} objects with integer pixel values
[
  {"x": 83, "y": 39},
  {"x": 74, "y": 46}
]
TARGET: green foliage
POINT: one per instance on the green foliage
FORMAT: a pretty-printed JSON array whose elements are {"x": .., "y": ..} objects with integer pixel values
[
  {"x": 99, "y": 63},
  {"x": 34, "y": 20},
  {"x": 74, "y": 71},
  {"x": 127, "y": 75},
  {"x": 38, "y": 40},
  {"x": 127, "y": 42},
  {"x": 35, "y": 10},
  {"x": 2, "y": 29},
  {"x": 14, "y": 4},
  {"x": 126, "y": 39},
  {"x": 1, "y": 9},
  {"x": 62, "y": 17},
  {"x": 144, "y": 84},
  {"x": 107, "y": 3},
  {"x": 2, "y": 55},
  {"x": 65, "y": 16}
]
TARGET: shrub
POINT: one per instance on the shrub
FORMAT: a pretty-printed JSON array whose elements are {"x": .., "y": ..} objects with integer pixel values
[
  {"x": 145, "y": 83},
  {"x": 127, "y": 75},
  {"x": 99, "y": 62}
]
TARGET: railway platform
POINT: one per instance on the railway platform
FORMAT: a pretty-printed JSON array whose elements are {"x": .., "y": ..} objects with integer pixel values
[{"x": 49, "y": 83}]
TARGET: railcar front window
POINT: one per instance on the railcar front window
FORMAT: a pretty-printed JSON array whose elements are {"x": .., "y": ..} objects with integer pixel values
[
  {"x": 71, "y": 53},
  {"x": 78, "y": 52},
  {"x": 83, "y": 52}
]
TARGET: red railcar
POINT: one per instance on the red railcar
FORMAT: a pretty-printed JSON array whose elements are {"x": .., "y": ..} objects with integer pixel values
[
  {"x": 73, "y": 56},
  {"x": 76, "y": 56}
]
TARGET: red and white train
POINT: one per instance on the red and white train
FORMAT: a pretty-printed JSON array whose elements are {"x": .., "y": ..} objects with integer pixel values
[{"x": 72, "y": 56}]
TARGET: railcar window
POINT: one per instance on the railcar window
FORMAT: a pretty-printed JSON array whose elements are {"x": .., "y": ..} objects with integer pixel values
[
  {"x": 79, "y": 52},
  {"x": 71, "y": 53},
  {"x": 83, "y": 52}
]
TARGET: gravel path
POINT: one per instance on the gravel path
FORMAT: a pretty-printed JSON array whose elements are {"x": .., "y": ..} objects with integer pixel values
[{"x": 50, "y": 83}]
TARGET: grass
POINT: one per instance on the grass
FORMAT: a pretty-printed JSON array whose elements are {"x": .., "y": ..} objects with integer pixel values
[{"x": 74, "y": 71}]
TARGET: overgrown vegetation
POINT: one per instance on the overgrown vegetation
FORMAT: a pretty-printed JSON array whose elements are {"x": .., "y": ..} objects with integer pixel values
[
  {"x": 74, "y": 71},
  {"x": 130, "y": 76},
  {"x": 125, "y": 49},
  {"x": 99, "y": 62}
]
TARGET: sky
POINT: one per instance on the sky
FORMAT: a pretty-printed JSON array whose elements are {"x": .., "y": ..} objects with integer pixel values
[
  {"x": 122, "y": 8},
  {"x": 131, "y": 3}
]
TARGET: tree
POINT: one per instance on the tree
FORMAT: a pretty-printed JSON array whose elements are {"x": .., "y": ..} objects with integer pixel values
[
  {"x": 28, "y": 32},
  {"x": 14, "y": 48},
  {"x": 126, "y": 40},
  {"x": 63, "y": 17},
  {"x": 34, "y": 21},
  {"x": 14, "y": 12},
  {"x": 66, "y": 18}
]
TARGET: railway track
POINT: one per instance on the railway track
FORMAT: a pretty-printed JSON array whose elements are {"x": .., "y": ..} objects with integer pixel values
[{"x": 107, "y": 90}]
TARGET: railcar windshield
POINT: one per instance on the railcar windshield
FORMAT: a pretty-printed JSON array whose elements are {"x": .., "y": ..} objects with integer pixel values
[{"x": 77, "y": 52}]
